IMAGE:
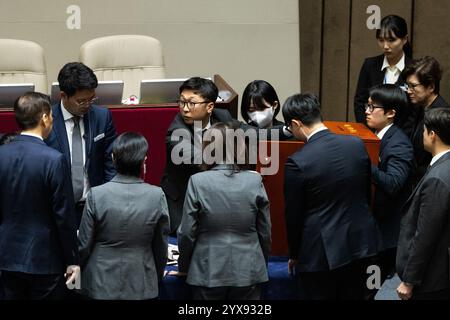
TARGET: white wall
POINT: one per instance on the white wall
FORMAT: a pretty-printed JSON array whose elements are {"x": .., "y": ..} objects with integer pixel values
[{"x": 242, "y": 40}]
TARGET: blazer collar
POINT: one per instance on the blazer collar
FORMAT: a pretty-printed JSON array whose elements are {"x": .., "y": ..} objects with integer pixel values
[
  {"x": 442, "y": 159},
  {"x": 223, "y": 167},
  {"x": 27, "y": 138},
  {"x": 319, "y": 135},
  {"x": 391, "y": 131},
  {"x": 121, "y": 178},
  {"x": 59, "y": 128}
]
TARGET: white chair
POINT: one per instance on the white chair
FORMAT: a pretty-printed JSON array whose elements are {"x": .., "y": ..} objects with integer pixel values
[
  {"x": 23, "y": 61},
  {"x": 130, "y": 58}
]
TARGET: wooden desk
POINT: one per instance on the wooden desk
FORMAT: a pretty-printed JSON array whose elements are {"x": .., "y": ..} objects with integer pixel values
[{"x": 274, "y": 184}]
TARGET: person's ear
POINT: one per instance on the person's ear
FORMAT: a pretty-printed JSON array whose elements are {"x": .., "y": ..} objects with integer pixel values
[
  {"x": 390, "y": 114},
  {"x": 405, "y": 40},
  {"x": 275, "y": 105},
  {"x": 210, "y": 107}
]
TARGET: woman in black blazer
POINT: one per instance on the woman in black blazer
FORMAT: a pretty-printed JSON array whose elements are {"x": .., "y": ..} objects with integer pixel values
[{"x": 392, "y": 38}]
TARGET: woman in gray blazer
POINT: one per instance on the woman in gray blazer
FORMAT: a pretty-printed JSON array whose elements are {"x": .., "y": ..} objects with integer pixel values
[
  {"x": 224, "y": 236},
  {"x": 124, "y": 229}
]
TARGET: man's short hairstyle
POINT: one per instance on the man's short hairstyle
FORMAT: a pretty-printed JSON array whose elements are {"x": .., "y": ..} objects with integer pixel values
[
  {"x": 438, "y": 120},
  {"x": 203, "y": 87},
  {"x": 390, "y": 97},
  {"x": 29, "y": 109},
  {"x": 76, "y": 76},
  {"x": 303, "y": 107},
  {"x": 129, "y": 151},
  {"x": 427, "y": 70}
]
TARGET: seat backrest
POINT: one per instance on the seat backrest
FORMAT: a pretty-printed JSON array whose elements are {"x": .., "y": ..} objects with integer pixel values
[
  {"x": 130, "y": 58},
  {"x": 23, "y": 61}
]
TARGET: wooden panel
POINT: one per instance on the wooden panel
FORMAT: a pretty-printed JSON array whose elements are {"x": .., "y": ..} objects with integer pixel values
[
  {"x": 274, "y": 184},
  {"x": 432, "y": 36},
  {"x": 310, "y": 20},
  {"x": 335, "y": 59},
  {"x": 363, "y": 43}
]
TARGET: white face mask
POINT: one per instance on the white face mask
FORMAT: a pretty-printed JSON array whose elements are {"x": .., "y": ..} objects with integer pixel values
[{"x": 262, "y": 118}]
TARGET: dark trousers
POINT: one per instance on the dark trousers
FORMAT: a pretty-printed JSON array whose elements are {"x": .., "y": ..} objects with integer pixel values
[
  {"x": 436, "y": 295},
  {"x": 344, "y": 283},
  {"x": 79, "y": 208},
  {"x": 227, "y": 293},
  {"x": 24, "y": 286},
  {"x": 386, "y": 261}
]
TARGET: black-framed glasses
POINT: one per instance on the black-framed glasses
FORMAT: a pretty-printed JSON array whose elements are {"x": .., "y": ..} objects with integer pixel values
[
  {"x": 412, "y": 86},
  {"x": 88, "y": 102},
  {"x": 369, "y": 107},
  {"x": 190, "y": 104}
]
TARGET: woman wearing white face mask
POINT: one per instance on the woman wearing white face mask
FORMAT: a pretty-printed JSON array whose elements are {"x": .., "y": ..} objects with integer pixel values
[{"x": 260, "y": 105}]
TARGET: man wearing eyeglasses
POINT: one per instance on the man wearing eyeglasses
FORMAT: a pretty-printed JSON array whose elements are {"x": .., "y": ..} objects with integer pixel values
[
  {"x": 82, "y": 131},
  {"x": 423, "y": 78},
  {"x": 197, "y": 98}
]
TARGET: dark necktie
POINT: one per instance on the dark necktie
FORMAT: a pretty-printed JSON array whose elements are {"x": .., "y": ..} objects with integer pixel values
[{"x": 77, "y": 160}]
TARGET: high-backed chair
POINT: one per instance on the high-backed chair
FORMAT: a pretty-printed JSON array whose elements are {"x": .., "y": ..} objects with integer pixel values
[
  {"x": 23, "y": 61},
  {"x": 130, "y": 58}
]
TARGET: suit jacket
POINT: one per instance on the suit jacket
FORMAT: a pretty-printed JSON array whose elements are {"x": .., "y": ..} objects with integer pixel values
[
  {"x": 123, "y": 240},
  {"x": 224, "y": 236},
  {"x": 421, "y": 156},
  {"x": 392, "y": 178},
  {"x": 369, "y": 76},
  {"x": 176, "y": 176},
  {"x": 424, "y": 241},
  {"x": 327, "y": 194},
  {"x": 99, "y": 136},
  {"x": 37, "y": 218}
]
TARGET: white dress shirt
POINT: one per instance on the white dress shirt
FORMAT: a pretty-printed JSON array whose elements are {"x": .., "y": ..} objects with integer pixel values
[
  {"x": 31, "y": 135},
  {"x": 383, "y": 131},
  {"x": 391, "y": 74}
]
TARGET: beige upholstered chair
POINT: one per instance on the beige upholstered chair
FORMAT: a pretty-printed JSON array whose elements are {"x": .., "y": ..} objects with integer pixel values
[
  {"x": 23, "y": 61},
  {"x": 130, "y": 58}
]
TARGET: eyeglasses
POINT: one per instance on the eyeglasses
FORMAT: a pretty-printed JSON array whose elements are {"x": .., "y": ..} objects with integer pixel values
[
  {"x": 370, "y": 106},
  {"x": 87, "y": 103},
  {"x": 190, "y": 104},
  {"x": 412, "y": 86}
]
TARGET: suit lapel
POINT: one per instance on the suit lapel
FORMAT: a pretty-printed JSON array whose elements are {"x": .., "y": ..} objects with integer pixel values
[
  {"x": 377, "y": 72},
  {"x": 59, "y": 127},
  {"x": 387, "y": 136},
  {"x": 433, "y": 167},
  {"x": 87, "y": 133}
]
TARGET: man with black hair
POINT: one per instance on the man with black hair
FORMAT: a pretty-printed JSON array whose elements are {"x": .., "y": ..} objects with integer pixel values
[
  {"x": 424, "y": 240},
  {"x": 327, "y": 190},
  {"x": 83, "y": 131},
  {"x": 38, "y": 239},
  {"x": 393, "y": 174}
]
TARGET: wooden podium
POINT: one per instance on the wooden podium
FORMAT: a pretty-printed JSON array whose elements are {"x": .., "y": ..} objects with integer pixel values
[{"x": 274, "y": 184}]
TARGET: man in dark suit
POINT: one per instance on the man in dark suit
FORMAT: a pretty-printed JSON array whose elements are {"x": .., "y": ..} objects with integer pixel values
[
  {"x": 197, "y": 98},
  {"x": 392, "y": 176},
  {"x": 423, "y": 77},
  {"x": 423, "y": 247},
  {"x": 83, "y": 132},
  {"x": 185, "y": 136},
  {"x": 327, "y": 192},
  {"x": 38, "y": 240}
]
